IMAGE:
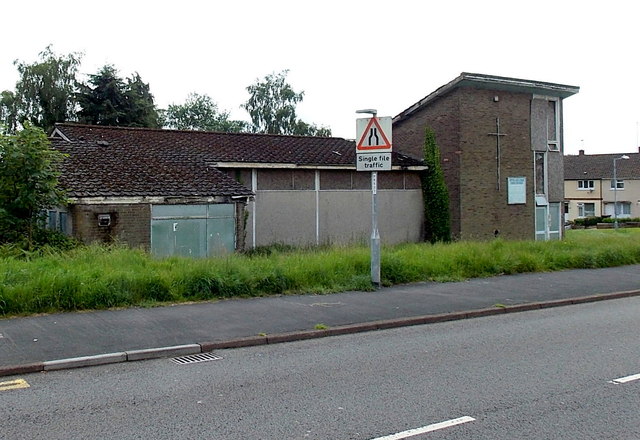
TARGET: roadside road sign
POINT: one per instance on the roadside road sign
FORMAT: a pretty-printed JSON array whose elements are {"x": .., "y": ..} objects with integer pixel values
[
  {"x": 374, "y": 134},
  {"x": 373, "y": 147},
  {"x": 373, "y": 162}
]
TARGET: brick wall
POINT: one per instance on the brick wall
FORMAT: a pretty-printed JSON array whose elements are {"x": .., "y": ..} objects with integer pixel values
[
  {"x": 462, "y": 121},
  {"x": 443, "y": 116},
  {"x": 480, "y": 193},
  {"x": 242, "y": 218},
  {"x": 130, "y": 223}
]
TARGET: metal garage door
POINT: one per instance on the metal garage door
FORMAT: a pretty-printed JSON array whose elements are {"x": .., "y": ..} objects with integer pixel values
[{"x": 193, "y": 230}]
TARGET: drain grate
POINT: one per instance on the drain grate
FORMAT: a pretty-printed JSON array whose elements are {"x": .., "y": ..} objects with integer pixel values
[{"x": 196, "y": 358}]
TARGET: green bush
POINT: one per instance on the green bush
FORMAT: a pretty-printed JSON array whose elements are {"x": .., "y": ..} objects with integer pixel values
[
  {"x": 588, "y": 221},
  {"x": 621, "y": 220}
]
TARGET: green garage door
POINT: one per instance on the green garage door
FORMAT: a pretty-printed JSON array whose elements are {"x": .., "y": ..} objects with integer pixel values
[{"x": 193, "y": 230}]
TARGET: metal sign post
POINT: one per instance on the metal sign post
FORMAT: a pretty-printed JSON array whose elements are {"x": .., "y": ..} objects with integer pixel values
[
  {"x": 375, "y": 234},
  {"x": 373, "y": 153}
]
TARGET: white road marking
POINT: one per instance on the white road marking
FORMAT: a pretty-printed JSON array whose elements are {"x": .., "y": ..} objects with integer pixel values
[
  {"x": 625, "y": 379},
  {"x": 425, "y": 429}
]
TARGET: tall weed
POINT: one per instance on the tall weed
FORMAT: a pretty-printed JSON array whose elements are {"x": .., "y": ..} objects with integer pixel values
[{"x": 97, "y": 277}]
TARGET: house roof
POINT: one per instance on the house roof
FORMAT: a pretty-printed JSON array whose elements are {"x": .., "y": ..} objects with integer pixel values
[
  {"x": 600, "y": 166},
  {"x": 119, "y": 161},
  {"x": 491, "y": 82}
]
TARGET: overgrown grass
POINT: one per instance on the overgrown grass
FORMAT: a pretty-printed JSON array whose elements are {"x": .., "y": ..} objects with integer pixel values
[{"x": 104, "y": 277}]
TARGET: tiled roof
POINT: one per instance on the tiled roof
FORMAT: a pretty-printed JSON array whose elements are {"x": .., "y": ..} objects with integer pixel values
[
  {"x": 600, "y": 166},
  {"x": 118, "y": 161}
]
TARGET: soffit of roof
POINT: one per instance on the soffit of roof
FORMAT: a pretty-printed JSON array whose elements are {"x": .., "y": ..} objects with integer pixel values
[{"x": 491, "y": 82}]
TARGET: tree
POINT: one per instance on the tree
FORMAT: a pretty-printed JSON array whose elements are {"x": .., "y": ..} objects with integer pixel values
[
  {"x": 200, "y": 112},
  {"x": 303, "y": 129},
  {"x": 107, "y": 99},
  {"x": 45, "y": 91},
  {"x": 102, "y": 100},
  {"x": 272, "y": 107},
  {"x": 141, "y": 110},
  {"x": 8, "y": 112},
  {"x": 435, "y": 193},
  {"x": 28, "y": 183}
]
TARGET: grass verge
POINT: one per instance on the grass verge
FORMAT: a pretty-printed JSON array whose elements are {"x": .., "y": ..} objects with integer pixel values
[{"x": 104, "y": 277}]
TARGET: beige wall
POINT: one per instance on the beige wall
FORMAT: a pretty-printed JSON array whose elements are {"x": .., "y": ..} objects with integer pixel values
[
  {"x": 575, "y": 196},
  {"x": 631, "y": 193},
  {"x": 282, "y": 217},
  {"x": 602, "y": 195},
  {"x": 343, "y": 217}
]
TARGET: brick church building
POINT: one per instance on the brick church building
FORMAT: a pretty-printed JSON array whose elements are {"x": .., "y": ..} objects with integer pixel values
[{"x": 501, "y": 150}]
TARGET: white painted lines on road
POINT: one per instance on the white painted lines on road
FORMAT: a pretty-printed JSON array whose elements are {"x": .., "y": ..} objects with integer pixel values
[
  {"x": 425, "y": 429},
  {"x": 13, "y": 385},
  {"x": 625, "y": 379}
]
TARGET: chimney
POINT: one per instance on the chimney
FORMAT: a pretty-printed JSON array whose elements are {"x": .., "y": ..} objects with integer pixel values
[{"x": 581, "y": 152}]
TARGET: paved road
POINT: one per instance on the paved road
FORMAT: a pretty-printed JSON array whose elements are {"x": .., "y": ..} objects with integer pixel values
[
  {"x": 68, "y": 335},
  {"x": 534, "y": 375}
]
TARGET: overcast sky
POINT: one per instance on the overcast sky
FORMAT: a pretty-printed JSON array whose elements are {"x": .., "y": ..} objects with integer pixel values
[{"x": 351, "y": 54}]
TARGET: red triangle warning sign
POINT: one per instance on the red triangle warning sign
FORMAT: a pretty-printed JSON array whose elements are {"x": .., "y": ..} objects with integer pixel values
[{"x": 374, "y": 137}]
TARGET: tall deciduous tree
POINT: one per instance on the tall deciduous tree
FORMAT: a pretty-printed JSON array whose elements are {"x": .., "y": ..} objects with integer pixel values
[
  {"x": 28, "y": 182},
  {"x": 45, "y": 91},
  {"x": 272, "y": 107},
  {"x": 200, "y": 112},
  {"x": 107, "y": 99},
  {"x": 435, "y": 193},
  {"x": 8, "y": 112}
]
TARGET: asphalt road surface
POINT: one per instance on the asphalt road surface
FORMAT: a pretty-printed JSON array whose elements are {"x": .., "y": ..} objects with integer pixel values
[{"x": 564, "y": 373}]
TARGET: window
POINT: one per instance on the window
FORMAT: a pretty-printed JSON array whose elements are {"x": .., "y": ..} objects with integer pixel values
[
  {"x": 552, "y": 126},
  {"x": 540, "y": 170},
  {"x": 52, "y": 220},
  {"x": 620, "y": 184},
  {"x": 623, "y": 209},
  {"x": 56, "y": 221},
  {"x": 62, "y": 222},
  {"x": 586, "y": 209},
  {"x": 586, "y": 184}
]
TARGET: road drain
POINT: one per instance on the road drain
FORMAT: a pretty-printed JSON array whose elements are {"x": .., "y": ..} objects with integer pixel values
[{"x": 196, "y": 358}]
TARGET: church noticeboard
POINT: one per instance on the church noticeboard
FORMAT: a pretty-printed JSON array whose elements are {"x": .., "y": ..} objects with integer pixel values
[{"x": 517, "y": 190}]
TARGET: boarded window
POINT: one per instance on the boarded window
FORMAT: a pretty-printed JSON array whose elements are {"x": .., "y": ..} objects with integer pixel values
[
  {"x": 540, "y": 164},
  {"x": 552, "y": 129},
  {"x": 412, "y": 181},
  {"x": 391, "y": 180},
  {"x": 304, "y": 180},
  {"x": 275, "y": 179},
  {"x": 338, "y": 179},
  {"x": 361, "y": 180}
]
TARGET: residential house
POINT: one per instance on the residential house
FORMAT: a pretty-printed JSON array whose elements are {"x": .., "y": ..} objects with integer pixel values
[
  {"x": 501, "y": 144},
  {"x": 205, "y": 193},
  {"x": 591, "y": 190}
]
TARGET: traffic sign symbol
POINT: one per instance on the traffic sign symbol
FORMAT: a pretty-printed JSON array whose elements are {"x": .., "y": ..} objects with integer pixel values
[{"x": 374, "y": 137}]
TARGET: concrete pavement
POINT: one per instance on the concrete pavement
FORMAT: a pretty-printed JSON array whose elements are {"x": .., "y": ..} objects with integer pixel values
[{"x": 68, "y": 340}]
